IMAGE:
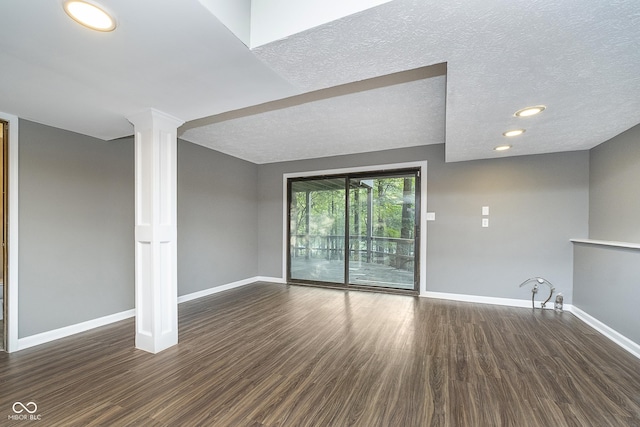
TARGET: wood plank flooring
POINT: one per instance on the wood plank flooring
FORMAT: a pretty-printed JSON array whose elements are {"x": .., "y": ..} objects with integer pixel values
[{"x": 276, "y": 355}]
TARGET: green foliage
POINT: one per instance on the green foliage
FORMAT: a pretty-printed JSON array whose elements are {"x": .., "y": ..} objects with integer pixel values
[{"x": 326, "y": 209}]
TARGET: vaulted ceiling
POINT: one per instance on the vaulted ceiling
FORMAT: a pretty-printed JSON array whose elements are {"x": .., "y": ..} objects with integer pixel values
[{"x": 403, "y": 73}]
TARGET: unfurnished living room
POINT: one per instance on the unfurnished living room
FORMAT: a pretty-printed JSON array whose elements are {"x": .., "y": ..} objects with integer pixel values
[{"x": 320, "y": 213}]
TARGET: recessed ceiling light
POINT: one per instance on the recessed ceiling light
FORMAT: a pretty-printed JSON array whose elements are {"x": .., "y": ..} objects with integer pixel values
[
  {"x": 89, "y": 15},
  {"x": 530, "y": 111},
  {"x": 502, "y": 147},
  {"x": 514, "y": 132}
]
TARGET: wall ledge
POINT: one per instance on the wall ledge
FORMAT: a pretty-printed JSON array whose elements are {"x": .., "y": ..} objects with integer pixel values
[{"x": 615, "y": 244}]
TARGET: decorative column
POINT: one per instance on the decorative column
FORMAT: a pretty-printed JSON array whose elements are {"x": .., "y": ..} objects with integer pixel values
[{"x": 156, "y": 278}]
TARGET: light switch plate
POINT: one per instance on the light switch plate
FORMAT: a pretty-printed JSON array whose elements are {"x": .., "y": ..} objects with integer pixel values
[
  {"x": 431, "y": 216},
  {"x": 485, "y": 222},
  {"x": 485, "y": 210}
]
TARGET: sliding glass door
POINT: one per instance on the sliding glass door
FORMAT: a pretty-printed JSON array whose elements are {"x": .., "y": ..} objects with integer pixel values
[
  {"x": 382, "y": 219},
  {"x": 317, "y": 230},
  {"x": 355, "y": 230}
]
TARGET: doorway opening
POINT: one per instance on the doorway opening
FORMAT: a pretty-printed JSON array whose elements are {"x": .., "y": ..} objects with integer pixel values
[
  {"x": 4, "y": 142},
  {"x": 355, "y": 230}
]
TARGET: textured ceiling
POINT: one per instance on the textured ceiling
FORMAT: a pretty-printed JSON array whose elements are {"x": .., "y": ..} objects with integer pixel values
[
  {"x": 582, "y": 60},
  {"x": 401, "y": 110},
  {"x": 579, "y": 59}
]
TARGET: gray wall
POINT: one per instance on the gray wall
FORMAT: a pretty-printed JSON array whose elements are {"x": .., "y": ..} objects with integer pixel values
[
  {"x": 217, "y": 219},
  {"x": 607, "y": 279},
  {"x": 76, "y": 252},
  {"x": 537, "y": 204},
  {"x": 76, "y": 260},
  {"x": 76, "y": 222},
  {"x": 614, "y": 199},
  {"x": 607, "y": 287}
]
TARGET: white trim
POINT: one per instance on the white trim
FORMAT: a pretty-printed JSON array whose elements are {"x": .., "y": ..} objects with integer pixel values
[
  {"x": 421, "y": 165},
  {"x": 66, "y": 331},
  {"x": 608, "y": 332},
  {"x": 605, "y": 330},
  {"x": 626, "y": 245},
  {"x": 215, "y": 290},
  {"x": 156, "y": 229},
  {"x": 228, "y": 286},
  {"x": 356, "y": 169},
  {"x": 511, "y": 302},
  {"x": 423, "y": 227},
  {"x": 279, "y": 280},
  {"x": 12, "y": 244},
  {"x": 285, "y": 226}
]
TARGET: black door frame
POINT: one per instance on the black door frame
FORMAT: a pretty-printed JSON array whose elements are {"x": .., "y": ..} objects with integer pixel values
[{"x": 348, "y": 176}]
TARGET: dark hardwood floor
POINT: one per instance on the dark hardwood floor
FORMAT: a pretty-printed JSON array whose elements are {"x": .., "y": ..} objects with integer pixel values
[{"x": 276, "y": 355}]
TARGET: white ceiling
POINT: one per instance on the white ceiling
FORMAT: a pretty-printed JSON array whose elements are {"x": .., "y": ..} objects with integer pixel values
[
  {"x": 174, "y": 56},
  {"x": 581, "y": 60}
]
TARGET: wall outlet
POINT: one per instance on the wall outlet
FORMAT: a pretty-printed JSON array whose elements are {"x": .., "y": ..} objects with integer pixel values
[
  {"x": 431, "y": 216},
  {"x": 485, "y": 222}
]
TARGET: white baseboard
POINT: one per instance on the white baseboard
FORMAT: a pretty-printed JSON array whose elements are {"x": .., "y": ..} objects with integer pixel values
[
  {"x": 608, "y": 332},
  {"x": 66, "y": 331},
  {"x": 511, "y": 302},
  {"x": 605, "y": 330},
  {"x": 270, "y": 279},
  {"x": 215, "y": 290}
]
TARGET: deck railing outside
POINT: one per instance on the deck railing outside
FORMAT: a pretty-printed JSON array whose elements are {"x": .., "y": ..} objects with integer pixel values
[{"x": 392, "y": 251}]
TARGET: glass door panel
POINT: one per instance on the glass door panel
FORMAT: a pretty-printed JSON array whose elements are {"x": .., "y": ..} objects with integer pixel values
[
  {"x": 382, "y": 219},
  {"x": 317, "y": 230}
]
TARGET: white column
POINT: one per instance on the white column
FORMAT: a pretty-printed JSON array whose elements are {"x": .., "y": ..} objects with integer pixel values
[{"x": 156, "y": 278}]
